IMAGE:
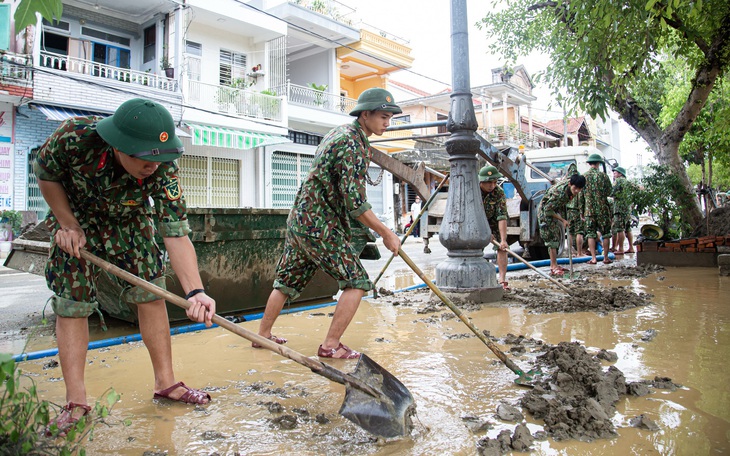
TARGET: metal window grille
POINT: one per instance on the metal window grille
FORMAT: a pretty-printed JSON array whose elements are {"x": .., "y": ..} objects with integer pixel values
[
  {"x": 277, "y": 62},
  {"x": 210, "y": 181},
  {"x": 288, "y": 170},
  {"x": 232, "y": 67},
  {"x": 36, "y": 202}
]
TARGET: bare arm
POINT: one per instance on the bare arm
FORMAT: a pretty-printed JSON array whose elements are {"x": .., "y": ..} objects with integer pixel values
[
  {"x": 70, "y": 237},
  {"x": 390, "y": 240},
  {"x": 184, "y": 262}
]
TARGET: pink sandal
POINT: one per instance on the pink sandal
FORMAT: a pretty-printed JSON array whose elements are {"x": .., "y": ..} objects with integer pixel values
[
  {"x": 65, "y": 420},
  {"x": 190, "y": 396},
  {"x": 278, "y": 340},
  {"x": 505, "y": 286},
  {"x": 341, "y": 352}
]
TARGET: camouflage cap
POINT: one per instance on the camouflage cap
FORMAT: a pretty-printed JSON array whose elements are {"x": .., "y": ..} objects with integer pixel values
[
  {"x": 142, "y": 129},
  {"x": 594, "y": 158},
  {"x": 488, "y": 174},
  {"x": 376, "y": 99}
]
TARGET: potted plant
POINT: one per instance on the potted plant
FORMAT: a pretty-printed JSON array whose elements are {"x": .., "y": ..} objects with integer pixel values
[
  {"x": 165, "y": 64},
  {"x": 10, "y": 224},
  {"x": 318, "y": 93}
]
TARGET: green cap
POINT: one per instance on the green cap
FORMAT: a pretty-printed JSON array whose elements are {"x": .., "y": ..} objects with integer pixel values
[
  {"x": 142, "y": 129},
  {"x": 620, "y": 170},
  {"x": 488, "y": 174},
  {"x": 376, "y": 99},
  {"x": 594, "y": 158}
]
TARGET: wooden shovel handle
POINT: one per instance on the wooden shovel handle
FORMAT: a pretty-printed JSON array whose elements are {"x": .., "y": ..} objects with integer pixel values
[{"x": 534, "y": 268}]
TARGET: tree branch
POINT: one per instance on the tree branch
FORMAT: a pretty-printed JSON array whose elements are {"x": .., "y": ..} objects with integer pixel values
[{"x": 675, "y": 22}]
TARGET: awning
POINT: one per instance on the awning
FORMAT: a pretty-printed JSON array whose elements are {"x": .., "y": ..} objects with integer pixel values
[
  {"x": 207, "y": 135},
  {"x": 59, "y": 113}
]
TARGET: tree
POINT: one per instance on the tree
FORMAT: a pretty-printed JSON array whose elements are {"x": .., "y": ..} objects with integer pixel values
[
  {"x": 612, "y": 54},
  {"x": 25, "y": 13}
]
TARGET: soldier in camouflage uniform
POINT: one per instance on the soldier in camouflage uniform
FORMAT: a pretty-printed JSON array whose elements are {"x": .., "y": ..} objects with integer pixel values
[
  {"x": 576, "y": 207},
  {"x": 99, "y": 177},
  {"x": 495, "y": 207},
  {"x": 597, "y": 211},
  {"x": 621, "y": 224},
  {"x": 549, "y": 215},
  {"x": 319, "y": 229}
]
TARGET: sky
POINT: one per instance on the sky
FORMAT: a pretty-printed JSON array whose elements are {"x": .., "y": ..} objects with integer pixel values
[{"x": 426, "y": 25}]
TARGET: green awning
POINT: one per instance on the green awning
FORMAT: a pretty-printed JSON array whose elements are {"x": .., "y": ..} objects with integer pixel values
[{"x": 208, "y": 135}]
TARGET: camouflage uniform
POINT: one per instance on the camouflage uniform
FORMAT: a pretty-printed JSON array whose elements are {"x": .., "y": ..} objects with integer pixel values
[
  {"x": 319, "y": 227},
  {"x": 576, "y": 207},
  {"x": 621, "y": 205},
  {"x": 597, "y": 211},
  {"x": 114, "y": 210},
  {"x": 555, "y": 201},
  {"x": 495, "y": 208}
]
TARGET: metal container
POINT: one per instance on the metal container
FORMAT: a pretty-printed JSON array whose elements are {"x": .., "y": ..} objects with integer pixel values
[{"x": 237, "y": 252}]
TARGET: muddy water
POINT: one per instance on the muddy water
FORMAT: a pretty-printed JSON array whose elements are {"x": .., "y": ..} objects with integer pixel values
[{"x": 455, "y": 380}]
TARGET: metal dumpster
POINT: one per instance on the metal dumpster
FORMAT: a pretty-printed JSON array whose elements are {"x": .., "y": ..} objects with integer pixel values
[{"x": 237, "y": 252}]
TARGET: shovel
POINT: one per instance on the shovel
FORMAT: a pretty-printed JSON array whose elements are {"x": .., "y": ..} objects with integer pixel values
[
  {"x": 524, "y": 378},
  {"x": 570, "y": 254},
  {"x": 374, "y": 399}
]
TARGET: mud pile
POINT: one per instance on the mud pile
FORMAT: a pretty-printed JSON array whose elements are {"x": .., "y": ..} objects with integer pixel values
[
  {"x": 719, "y": 223},
  {"x": 584, "y": 297}
]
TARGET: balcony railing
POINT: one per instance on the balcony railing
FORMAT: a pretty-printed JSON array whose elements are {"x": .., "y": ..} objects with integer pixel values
[
  {"x": 100, "y": 70},
  {"x": 305, "y": 96},
  {"x": 511, "y": 135},
  {"x": 234, "y": 101},
  {"x": 15, "y": 68}
]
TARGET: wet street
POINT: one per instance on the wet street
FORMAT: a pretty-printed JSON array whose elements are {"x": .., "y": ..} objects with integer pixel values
[{"x": 264, "y": 404}]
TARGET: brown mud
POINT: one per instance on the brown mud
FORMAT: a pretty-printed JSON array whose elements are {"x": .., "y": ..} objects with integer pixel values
[
  {"x": 610, "y": 384},
  {"x": 718, "y": 224}
]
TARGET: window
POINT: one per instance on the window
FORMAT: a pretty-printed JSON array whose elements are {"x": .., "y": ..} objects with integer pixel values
[
  {"x": 193, "y": 48},
  {"x": 403, "y": 119},
  {"x": 60, "y": 25},
  {"x": 111, "y": 55},
  {"x": 442, "y": 129},
  {"x": 298, "y": 137},
  {"x": 232, "y": 67},
  {"x": 110, "y": 37},
  {"x": 555, "y": 170},
  {"x": 150, "y": 41}
]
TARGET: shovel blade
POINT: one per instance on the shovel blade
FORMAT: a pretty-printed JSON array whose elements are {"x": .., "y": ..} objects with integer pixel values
[{"x": 389, "y": 413}]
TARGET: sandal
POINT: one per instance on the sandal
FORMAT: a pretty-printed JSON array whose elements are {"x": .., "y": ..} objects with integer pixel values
[
  {"x": 65, "y": 420},
  {"x": 278, "y": 340},
  {"x": 607, "y": 261},
  {"x": 344, "y": 351},
  {"x": 591, "y": 261},
  {"x": 190, "y": 396},
  {"x": 505, "y": 286},
  {"x": 557, "y": 272},
  {"x": 631, "y": 251}
]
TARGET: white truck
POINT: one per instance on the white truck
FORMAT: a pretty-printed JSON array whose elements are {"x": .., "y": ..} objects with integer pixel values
[{"x": 529, "y": 174}]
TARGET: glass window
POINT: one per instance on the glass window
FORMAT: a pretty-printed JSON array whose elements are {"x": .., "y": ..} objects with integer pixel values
[
  {"x": 232, "y": 67},
  {"x": 554, "y": 169},
  {"x": 150, "y": 41}
]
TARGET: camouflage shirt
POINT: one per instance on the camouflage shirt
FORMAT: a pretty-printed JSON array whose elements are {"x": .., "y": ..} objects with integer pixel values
[
  {"x": 495, "y": 205},
  {"x": 597, "y": 190},
  {"x": 555, "y": 200},
  {"x": 98, "y": 189},
  {"x": 333, "y": 195},
  {"x": 621, "y": 194}
]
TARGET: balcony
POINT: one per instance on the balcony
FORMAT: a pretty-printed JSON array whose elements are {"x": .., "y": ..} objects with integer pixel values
[
  {"x": 311, "y": 98},
  {"x": 16, "y": 76},
  {"x": 107, "y": 72},
  {"x": 236, "y": 102}
]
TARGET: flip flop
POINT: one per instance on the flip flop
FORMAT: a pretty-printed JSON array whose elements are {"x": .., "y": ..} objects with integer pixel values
[
  {"x": 505, "y": 286},
  {"x": 278, "y": 340},
  {"x": 631, "y": 251},
  {"x": 190, "y": 396},
  {"x": 557, "y": 272},
  {"x": 65, "y": 420},
  {"x": 341, "y": 352},
  {"x": 607, "y": 261}
]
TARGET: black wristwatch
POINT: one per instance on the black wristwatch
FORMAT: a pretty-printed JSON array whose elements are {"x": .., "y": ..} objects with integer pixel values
[{"x": 194, "y": 292}]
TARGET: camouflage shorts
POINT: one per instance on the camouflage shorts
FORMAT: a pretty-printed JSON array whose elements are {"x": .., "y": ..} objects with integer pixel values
[
  {"x": 620, "y": 223},
  {"x": 550, "y": 232},
  {"x": 595, "y": 225},
  {"x": 577, "y": 224},
  {"x": 303, "y": 255},
  {"x": 128, "y": 244}
]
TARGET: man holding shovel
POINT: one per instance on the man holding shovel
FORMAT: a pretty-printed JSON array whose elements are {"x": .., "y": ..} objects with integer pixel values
[
  {"x": 319, "y": 228},
  {"x": 495, "y": 208},
  {"x": 99, "y": 178}
]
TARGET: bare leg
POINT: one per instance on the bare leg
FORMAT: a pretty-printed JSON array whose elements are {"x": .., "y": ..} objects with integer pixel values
[
  {"x": 614, "y": 242},
  {"x": 72, "y": 336},
  {"x": 275, "y": 303},
  {"x": 630, "y": 238},
  {"x": 620, "y": 248},
  {"x": 592, "y": 248},
  {"x": 502, "y": 263},
  {"x": 579, "y": 244},
  {"x": 606, "y": 242},
  {"x": 344, "y": 312},
  {"x": 553, "y": 258}
]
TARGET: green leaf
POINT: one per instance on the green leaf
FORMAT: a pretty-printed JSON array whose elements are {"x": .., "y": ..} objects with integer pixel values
[{"x": 25, "y": 14}]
